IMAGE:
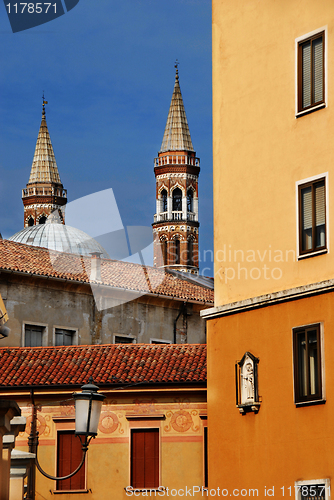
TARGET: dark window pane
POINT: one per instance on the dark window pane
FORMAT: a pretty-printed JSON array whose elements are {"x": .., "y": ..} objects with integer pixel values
[
  {"x": 164, "y": 200},
  {"x": 123, "y": 340},
  {"x": 64, "y": 337},
  {"x": 33, "y": 336},
  {"x": 177, "y": 200},
  {"x": 307, "y": 218}
]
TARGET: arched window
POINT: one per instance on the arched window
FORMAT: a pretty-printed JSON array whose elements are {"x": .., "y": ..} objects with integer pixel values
[
  {"x": 190, "y": 200},
  {"x": 190, "y": 252},
  {"x": 177, "y": 200},
  {"x": 164, "y": 252},
  {"x": 30, "y": 222},
  {"x": 177, "y": 252},
  {"x": 164, "y": 200},
  {"x": 42, "y": 220}
]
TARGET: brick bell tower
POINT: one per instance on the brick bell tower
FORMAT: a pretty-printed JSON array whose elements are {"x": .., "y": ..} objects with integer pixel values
[
  {"x": 44, "y": 192},
  {"x": 176, "y": 169}
]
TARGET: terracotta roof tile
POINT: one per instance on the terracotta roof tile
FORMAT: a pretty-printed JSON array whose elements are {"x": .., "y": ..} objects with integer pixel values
[
  {"x": 112, "y": 364},
  {"x": 116, "y": 274}
]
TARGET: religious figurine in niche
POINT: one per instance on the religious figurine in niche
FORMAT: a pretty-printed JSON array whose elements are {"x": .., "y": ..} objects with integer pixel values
[
  {"x": 248, "y": 378},
  {"x": 247, "y": 384}
]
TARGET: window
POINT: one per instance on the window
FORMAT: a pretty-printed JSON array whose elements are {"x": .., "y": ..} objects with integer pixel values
[
  {"x": 317, "y": 489},
  {"x": 311, "y": 75},
  {"x": 124, "y": 339},
  {"x": 64, "y": 337},
  {"x": 33, "y": 335},
  {"x": 69, "y": 455},
  {"x": 177, "y": 251},
  {"x": 190, "y": 252},
  {"x": 312, "y": 216},
  {"x": 145, "y": 458},
  {"x": 177, "y": 200},
  {"x": 190, "y": 200},
  {"x": 160, "y": 341},
  {"x": 307, "y": 363},
  {"x": 164, "y": 200},
  {"x": 42, "y": 220},
  {"x": 164, "y": 251}
]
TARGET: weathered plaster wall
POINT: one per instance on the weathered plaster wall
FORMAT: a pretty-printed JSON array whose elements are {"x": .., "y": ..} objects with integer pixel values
[{"x": 63, "y": 304}]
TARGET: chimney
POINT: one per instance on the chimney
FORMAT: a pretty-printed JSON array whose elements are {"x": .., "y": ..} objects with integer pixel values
[{"x": 95, "y": 266}]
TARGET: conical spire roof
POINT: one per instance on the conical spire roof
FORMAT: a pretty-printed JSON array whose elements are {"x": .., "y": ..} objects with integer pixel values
[
  {"x": 177, "y": 135},
  {"x": 44, "y": 167}
]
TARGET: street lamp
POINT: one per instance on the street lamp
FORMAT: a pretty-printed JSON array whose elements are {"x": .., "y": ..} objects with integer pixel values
[{"x": 88, "y": 405}]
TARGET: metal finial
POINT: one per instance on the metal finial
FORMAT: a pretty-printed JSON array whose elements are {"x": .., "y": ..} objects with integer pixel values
[
  {"x": 44, "y": 102},
  {"x": 176, "y": 67}
]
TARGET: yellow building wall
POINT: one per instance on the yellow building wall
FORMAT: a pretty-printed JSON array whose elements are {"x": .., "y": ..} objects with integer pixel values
[
  {"x": 181, "y": 432},
  {"x": 282, "y": 443},
  {"x": 260, "y": 149}
]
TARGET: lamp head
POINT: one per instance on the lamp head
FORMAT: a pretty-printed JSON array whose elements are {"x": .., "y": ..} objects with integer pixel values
[{"x": 88, "y": 405}]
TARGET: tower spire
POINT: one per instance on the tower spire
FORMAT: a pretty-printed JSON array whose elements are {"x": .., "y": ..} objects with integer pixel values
[
  {"x": 177, "y": 136},
  {"x": 176, "y": 169},
  {"x": 44, "y": 192}
]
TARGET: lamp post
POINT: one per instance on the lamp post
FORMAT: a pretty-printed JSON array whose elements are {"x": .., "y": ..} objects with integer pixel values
[{"x": 88, "y": 405}]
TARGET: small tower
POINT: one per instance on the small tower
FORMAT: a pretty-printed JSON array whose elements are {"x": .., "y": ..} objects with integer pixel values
[
  {"x": 176, "y": 171},
  {"x": 44, "y": 192}
]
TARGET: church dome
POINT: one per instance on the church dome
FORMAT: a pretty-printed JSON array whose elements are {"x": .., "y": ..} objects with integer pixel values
[{"x": 60, "y": 237}]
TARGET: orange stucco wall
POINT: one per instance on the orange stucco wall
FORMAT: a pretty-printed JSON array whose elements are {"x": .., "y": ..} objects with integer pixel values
[
  {"x": 282, "y": 443},
  {"x": 260, "y": 148}
]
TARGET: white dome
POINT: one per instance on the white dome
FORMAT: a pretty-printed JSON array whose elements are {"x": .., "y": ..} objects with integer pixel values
[{"x": 59, "y": 237}]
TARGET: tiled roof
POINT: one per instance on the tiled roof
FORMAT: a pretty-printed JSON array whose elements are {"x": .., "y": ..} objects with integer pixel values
[
  {"x": 44, "y": 167},
  {"x": 117, "y": 274},
  {"x": 114, "y": 364},
  {"x": 177, "y": 135}
]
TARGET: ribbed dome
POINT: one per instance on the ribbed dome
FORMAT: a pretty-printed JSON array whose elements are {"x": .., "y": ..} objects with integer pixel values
[{"x": 59, "y": 237}]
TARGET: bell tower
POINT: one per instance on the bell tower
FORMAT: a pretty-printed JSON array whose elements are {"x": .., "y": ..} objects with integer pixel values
[
  {"x": 44, "y": 192},
  {"x": 176, "y": 169}
]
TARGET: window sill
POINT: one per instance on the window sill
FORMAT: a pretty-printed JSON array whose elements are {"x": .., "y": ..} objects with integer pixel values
[
  {"x": 310, "y": 403},
  {"x": 312, "y": 254},
  {"x": 310, "y": 110},
  {"x": 66, "y": 492}
]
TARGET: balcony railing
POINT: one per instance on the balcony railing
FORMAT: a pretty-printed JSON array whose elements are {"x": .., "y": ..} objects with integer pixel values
[
  {"x": 175, "y": 216},
  {"x": 35, "y": 191},
  {"x": 176, "y": 160}
]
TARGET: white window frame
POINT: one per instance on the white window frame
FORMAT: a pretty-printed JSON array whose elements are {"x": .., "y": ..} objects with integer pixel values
[
  {"x": 297, "y": 42},
  {"x": 322, "y": 359},
  {"x": 300, "y": 484},
  {"x": 300, "y": 183},
  {"x": 45, "y": 333},
  {"x": 134, "y": 340},
  {"x": 70, "y": 329}
]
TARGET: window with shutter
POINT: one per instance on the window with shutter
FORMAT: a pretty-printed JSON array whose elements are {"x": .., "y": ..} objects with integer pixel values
[
  {"x": 311, "y": 72},
  {"x": 64, "y": 337},
  {"x": 69, "y": 455},
  {"x": 33, "y": 335},
  {"x": 145, "y": 458},
  {"x": 312, "y": 216},
  {"x": 307, "y": 363}
]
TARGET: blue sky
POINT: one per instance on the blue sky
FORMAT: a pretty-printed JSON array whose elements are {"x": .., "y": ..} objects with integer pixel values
[{"x": 107, "y": 70}]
